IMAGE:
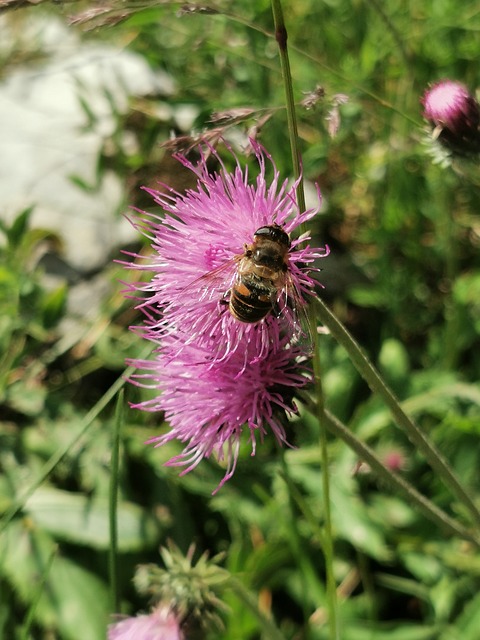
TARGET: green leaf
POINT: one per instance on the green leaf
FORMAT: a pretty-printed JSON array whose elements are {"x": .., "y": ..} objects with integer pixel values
[
  {"x": 366, "y": 296},
  {"x": 53, "y": 306},
  {"x": 466, "y": 290},
  {"x": 468, "y": 622},
  {"x": 351, "y": 522},
  {"x": 27, "y": 396},
  {"x": 80, "y": 520},
  {"x": 394, "y": 631},
  {"x": 72, "y": 599},
  {"x": 394, "y": 361},
  {"x": 425, "y": 567},
  {"x": 82, "y": 599},
  {"x": 391, "y": 511},
  {"x": 19, "y": 227}
]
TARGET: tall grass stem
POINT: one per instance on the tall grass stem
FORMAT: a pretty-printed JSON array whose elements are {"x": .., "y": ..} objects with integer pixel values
[
  {"x": 85, "y": 425},
  {"x": 281, "y": 37},
  {"x": 113, "y": 504},
  {"x": 377, "y": 384},
  {"x": 396, "y": 482},
  {"x": 26, "y": 631},
  {"x": 270, "y": 631}
]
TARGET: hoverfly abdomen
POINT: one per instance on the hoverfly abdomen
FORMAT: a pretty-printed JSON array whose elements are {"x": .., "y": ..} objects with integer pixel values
[
  {"x": 261, "y": 274},
  {"x": 251, "y": 298}
]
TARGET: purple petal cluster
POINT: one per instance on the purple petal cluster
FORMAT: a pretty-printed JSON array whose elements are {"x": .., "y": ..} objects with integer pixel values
[
  {"x": 217, "y": 376},
  {"x": 455, "y": 114},
  {"x": 208, "y": 405}
]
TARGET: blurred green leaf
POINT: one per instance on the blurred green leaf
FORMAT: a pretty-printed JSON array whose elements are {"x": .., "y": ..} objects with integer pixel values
[
  {"x": 426, "y": 567},
  {"x": 400, "y": 630},
  {"x": 17, "y": 230},
  {"x": 53, "y": 306},
  {"x": 391, "y": 511},
  {"x": 366, "y": 296},
  {"x": 27, "y": 396},
  {"x": 80, "y": 520},
  {"x": 73, "y": 597},
  {"x": 467, "y": 623},
  {"x": 394, "y": 362},
  {"x": 352, "y": 523}
]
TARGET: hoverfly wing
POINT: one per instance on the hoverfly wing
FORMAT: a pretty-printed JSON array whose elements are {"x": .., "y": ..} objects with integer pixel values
[
  {"x": 216, "y": 282},
  {"x": 295, "y": 312}
]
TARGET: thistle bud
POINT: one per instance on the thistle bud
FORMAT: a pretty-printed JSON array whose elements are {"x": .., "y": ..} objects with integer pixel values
[
  {"x": 455, "y": 115},
  {"x": 192, "y": 590}
]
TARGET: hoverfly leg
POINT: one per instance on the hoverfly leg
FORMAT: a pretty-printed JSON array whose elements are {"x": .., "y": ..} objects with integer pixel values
[
  {"x": 225, "y": 299},
  {"x": 276, "y": 310}
]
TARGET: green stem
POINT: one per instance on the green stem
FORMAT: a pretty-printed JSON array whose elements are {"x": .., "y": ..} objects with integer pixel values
[
  {"x": 281, "y": 37},
  {"x": 270, "y": 630},
  {"x": 328, "y": 537},
  {"x": 85, "y": 425},
  {"x": 113, "y": 505},
  {"x": 26, "y": 630},
  {"x": 446, "y": 239},
  {"x": 308, "y": 577},
  {"x": 396, "y": 482},
  {"x": 376, "y": 383},
  {"x": 397, "y": 36}
]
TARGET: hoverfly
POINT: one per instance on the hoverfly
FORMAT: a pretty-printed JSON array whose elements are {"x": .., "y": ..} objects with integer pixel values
[
  {"x": 262, "y": 273},
  {"x": 262, "y": 282}
]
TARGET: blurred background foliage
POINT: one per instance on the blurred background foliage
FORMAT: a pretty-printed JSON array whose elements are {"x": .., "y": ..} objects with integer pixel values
[{"x": 403, "y": 275}]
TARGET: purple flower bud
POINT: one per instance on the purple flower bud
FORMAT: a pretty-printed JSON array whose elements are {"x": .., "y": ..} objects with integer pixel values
[{"x": 455, "y": 114}]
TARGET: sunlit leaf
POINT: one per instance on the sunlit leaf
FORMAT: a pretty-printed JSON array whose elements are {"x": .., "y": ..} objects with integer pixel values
[
  {"x": 80, "y": 520},
  {"x": 72, "y": 598}
]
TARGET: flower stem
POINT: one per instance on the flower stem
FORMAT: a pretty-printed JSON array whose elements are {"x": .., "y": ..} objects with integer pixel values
[
  {"x": 308, "y": 578},
  {"x": 85, "y": 425},
  {"x": 446, "y": 239},
  {"x": 396, "y": 482},
  {"x": 113, "y": 505},
  {"x": 376, "y": 383},
  {"x": 281, "y": 38},
  {"x": 266, "y": 623},
  {"x": 40, "y": 588}
]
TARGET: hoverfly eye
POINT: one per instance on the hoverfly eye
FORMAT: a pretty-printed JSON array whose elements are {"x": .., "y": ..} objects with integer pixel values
[
  {"x": 263, "y": 231},
  {"x": 275, "y": 233}
]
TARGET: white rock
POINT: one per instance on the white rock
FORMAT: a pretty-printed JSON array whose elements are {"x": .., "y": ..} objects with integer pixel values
[{"x": 45, "y": 141}]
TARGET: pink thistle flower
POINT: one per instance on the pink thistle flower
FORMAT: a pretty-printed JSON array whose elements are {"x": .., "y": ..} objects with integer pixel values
[
  {"x": 208, "y": 405},
  {"x": 160, "y": 624},
  {"x": 197, "y": 243},
  {"x": 220, "y": 372},
  {"x": 455, "y": 114}
]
